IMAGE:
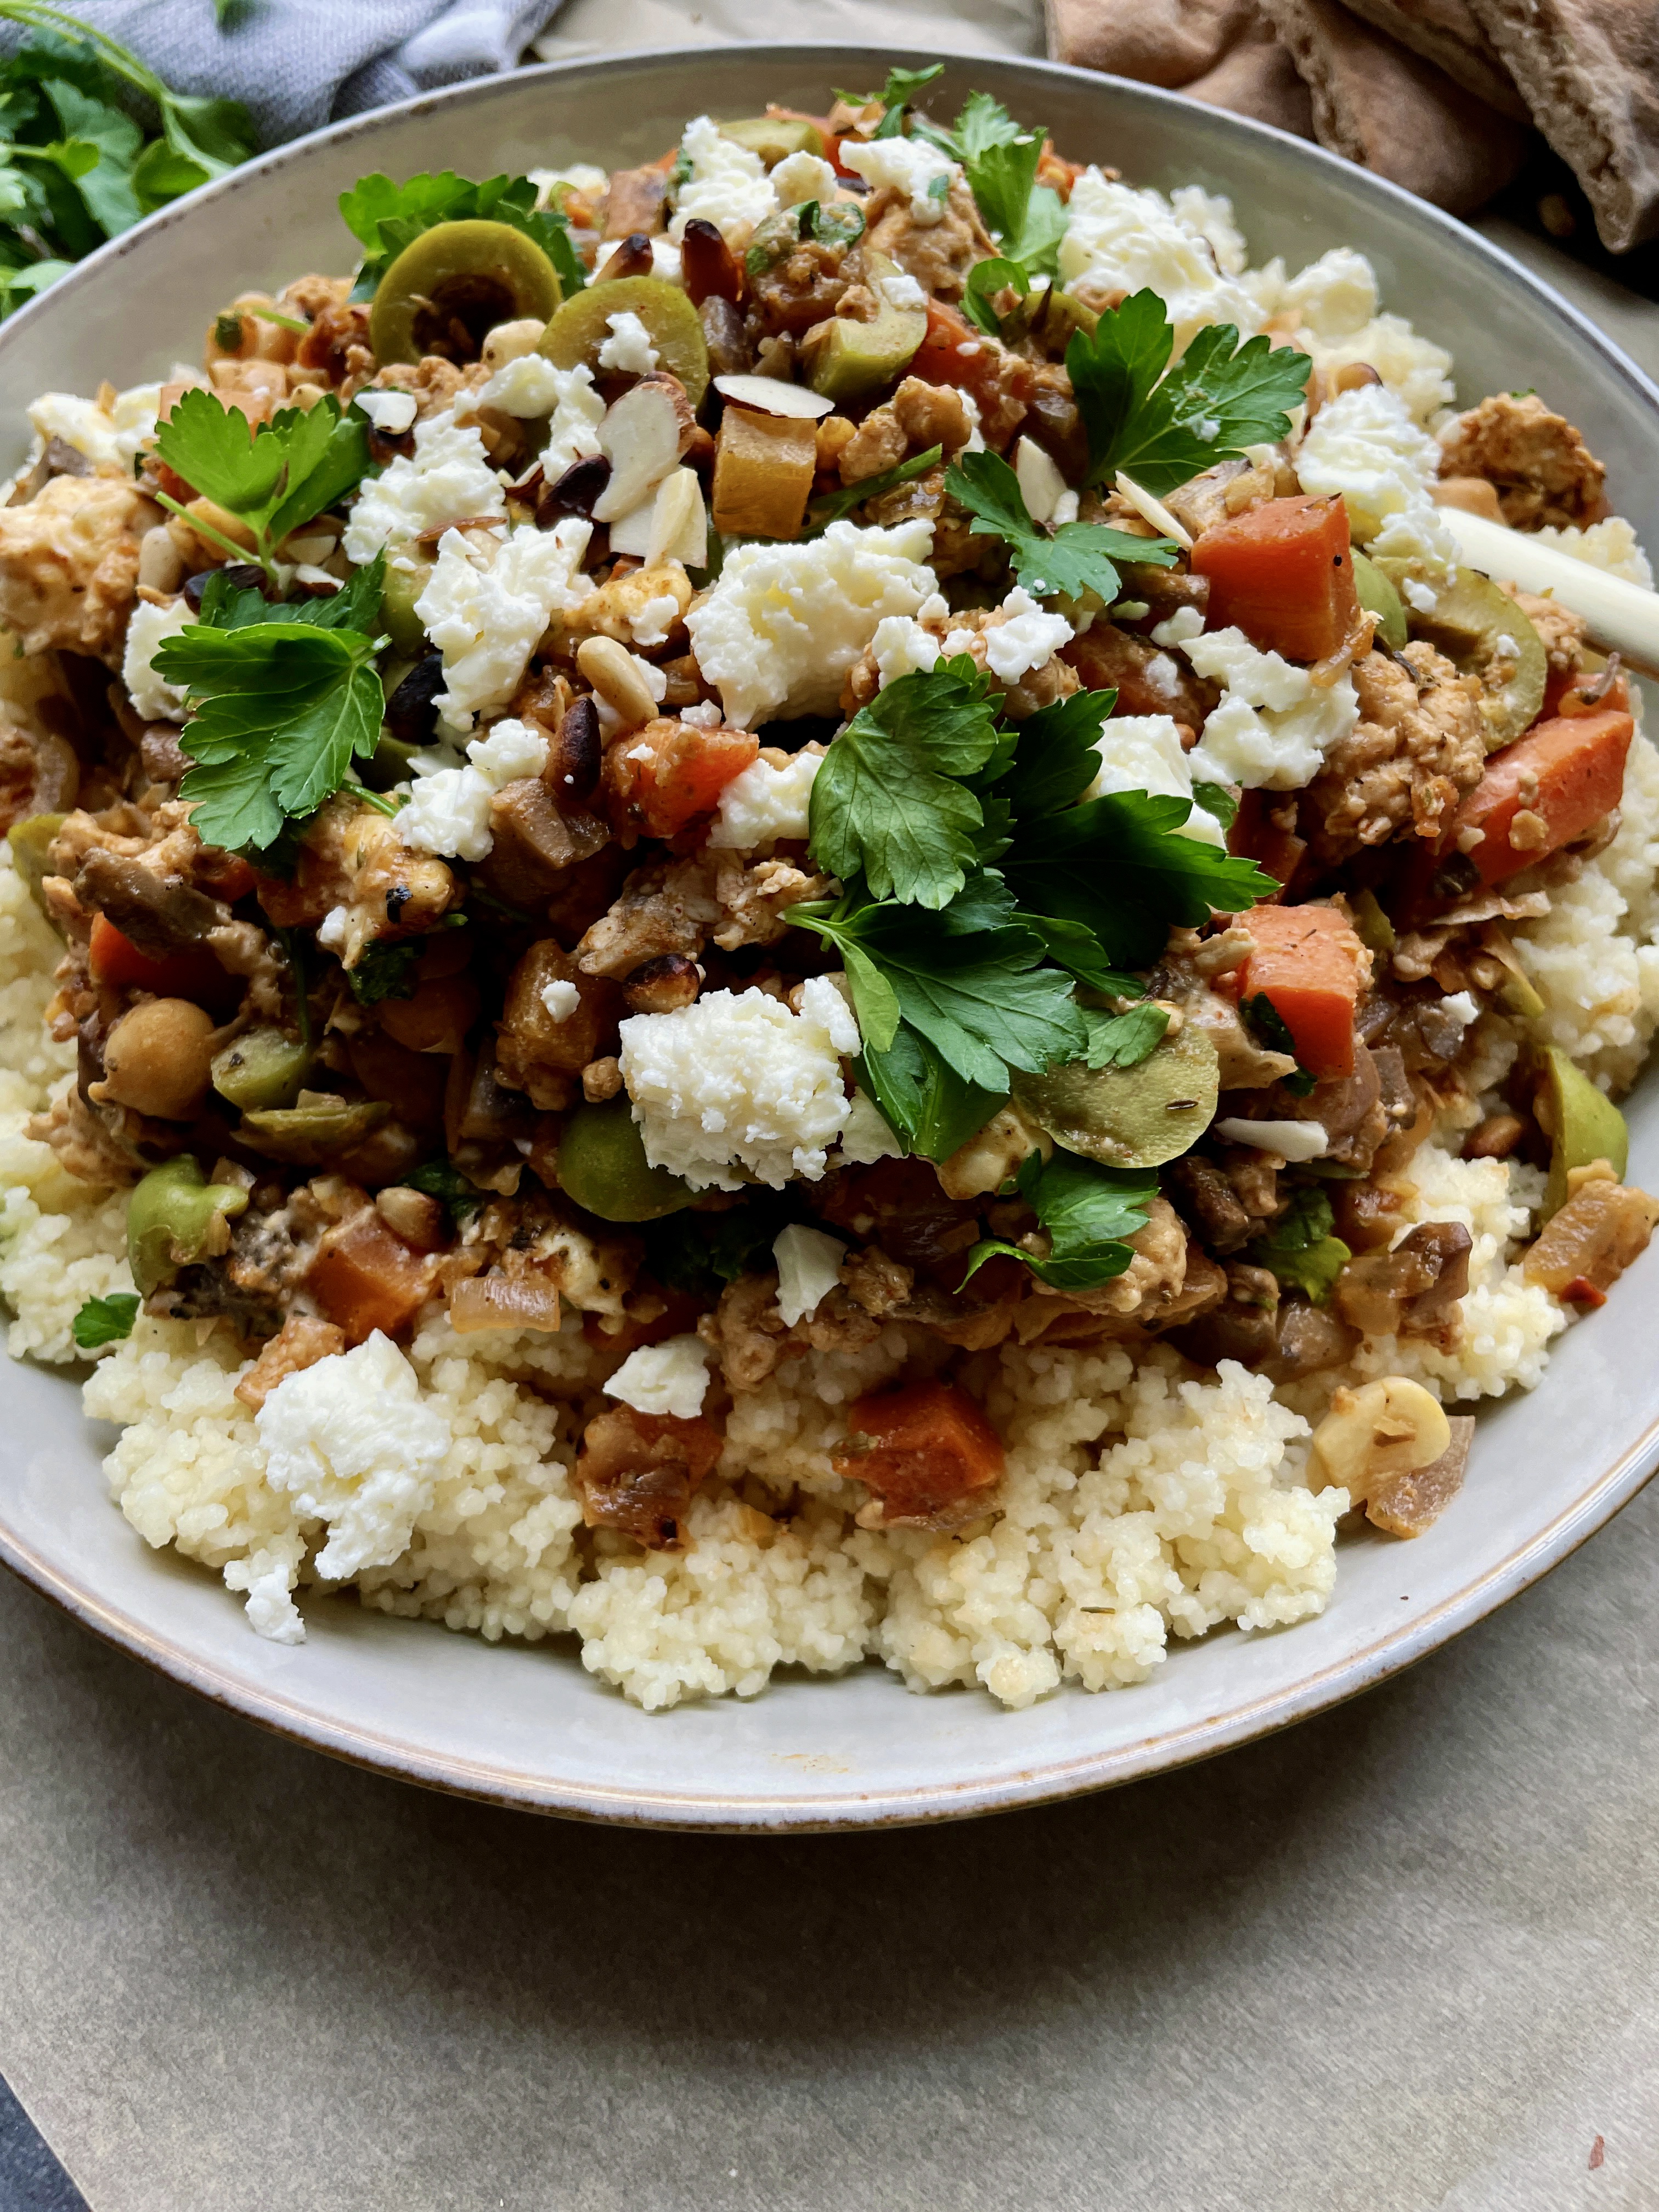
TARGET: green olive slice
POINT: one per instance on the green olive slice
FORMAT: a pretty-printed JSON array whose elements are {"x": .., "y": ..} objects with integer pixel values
[
  {"x": 581, "y": 326},
  {"x": 405, "y": 579},
  {"x": 604, "y": 1170},
  {"x": 31, "y": 842},
  {"x": 172, "y": 1218},
  {"x": 1129, "y": 1117},
  {"x": 1378, "y": 596},
  {"x": 1483, "y": 634},
  {"x": 262, "y": 1071},
  {"x": 774, "y": 137},
  {"x": 843, "y": 359},
  {"x": 450, "y": 287},
  {"x": 1585, "y": 1126}
]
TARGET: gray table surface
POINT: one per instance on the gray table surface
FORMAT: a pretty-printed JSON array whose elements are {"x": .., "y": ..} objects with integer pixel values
[{"x": 1403, "y": 1957}]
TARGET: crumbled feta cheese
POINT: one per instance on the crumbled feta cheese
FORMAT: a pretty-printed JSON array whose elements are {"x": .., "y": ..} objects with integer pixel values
[
  {"x": 1119, "y": 240},
  {"x": 1420, "y": 596},
  {"x": 728, "y": 185},
  {"x": 449, "y": 479},
  {"x": 1184, "y": 622},
  {"x": 334, "y": 929},
  {"x": 109, "y": 437},
  {"x": 902, "y": 646},
  {"x": 523, "y": 388},
  {"x": 391, "y": 412},
  {"x": 671, "y": 1378},
  {"x": 650, "y": 623},
  {"x": 664, "y": 259},
  {"x": 910, "y": 166},
  {"x": 809, "y": 1269},
  {"x": 271, "y": 1612},
  {"x": 976, "y": 437},
  {"x": 705, "y": 715},
  {"x": 784, "y": 622},
  {"x": 573, "y": 434},
  {"x": 629, "y": 349},
  {"x": 1611, "y": 544},
  {"x": 1209, "y": 215},
  {"x": 866, "y": 1136},
  {"x": 448, "y": 809},
  {"x": 1462, "y": 1008},
  {"x": 1273, "y": 724},
  {"x": 1292, "y": 1140},
  {"x": 1334, "y": 303},
  {"x": 766, "y": 803},
  {"x": 737, "y": 1080},
  {"x": 901, "y": 290},
  {"x": 801, "y": 177},
  {"x": 153, "y": 699},
  {"x": 487, "y": 604},
  {"x": 1334, "y": 296},
  {"x": 1027, "y": 639},
  {"x": 1363, "y": 445},
  {"x": 561, "y": 999},
  {"x": 1143, "y": 752},
  {"x": 351, "y": 1442}
]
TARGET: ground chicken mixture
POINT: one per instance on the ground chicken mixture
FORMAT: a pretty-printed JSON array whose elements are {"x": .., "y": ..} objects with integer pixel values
[{"x": 700, "y": 951}]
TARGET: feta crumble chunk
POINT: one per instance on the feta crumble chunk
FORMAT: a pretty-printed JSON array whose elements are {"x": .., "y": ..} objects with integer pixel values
[
  {"x": 561, "y": 999},
  {"x": 736, "y": 1080},
  {"x": 446, "y": 479},
  {"x": 1273, "y": 725},
  {"x": 1025, "y": 638},
  {"x": 809, "y": 1269},
  {"x": 487, "y": 604},
  {"x": 910, "y": 166},
  {"x": 777, "y": 632},
  {"x": 350, "y": 1441},
  {"x": 629, "y": 349},
  {"x": 670, "y": 1378},
  {"x": 728, "y": 185},
  {"x": 801, "y": 177},
  {"x": 153, "y": 699},
  {"x": 1365, "y": 445},
  {"x": 110, "y": 437},
  {"x": 1119, "y": 240},
  {"x": 766, "y": 803},
  {"x": 391, "y": 412},
  {"x": 1143, "y": 752},
  {"x": 448, "y": 809},
  {"x": 867, "y": 1137}
]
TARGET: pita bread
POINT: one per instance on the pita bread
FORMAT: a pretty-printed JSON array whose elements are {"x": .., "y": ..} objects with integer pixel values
[
  {"x": 1220, "y": 52},
  {"x": 1447, "y": 33}
]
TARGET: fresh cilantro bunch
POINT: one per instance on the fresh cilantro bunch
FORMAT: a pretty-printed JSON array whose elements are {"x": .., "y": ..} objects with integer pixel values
[
  {"x": 385, "y": 217},
  {"x": 1088, "y": 1212},
  {"x": 982, "y": 887},
  {"x": 77, "y": 165},
  {"x": 283, "y": 700},
  {"x": 283, "y": 474},
  {"x": 1164, "y": 425},
  {"x": 1064, "y": 562},
  {"x": 1300, "y": 1249}
]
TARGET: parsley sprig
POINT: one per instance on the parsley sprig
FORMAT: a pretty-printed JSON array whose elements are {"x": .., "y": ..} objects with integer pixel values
[
  {"x": 284, "y": 699},
  {"x": 274, "y": 478},
  {"x": 1300, "y": 1249},
  {"x": 1064, "y": 563},
  {"x": 1162, "y": 425},
  {"x": 385, "y": 217},
  {"x": 105, "y": 1321},
  {"x": 1000, "y": 159},
  {"x": 1088, "y": 1212},
  {"x": 896, "y": 96}
]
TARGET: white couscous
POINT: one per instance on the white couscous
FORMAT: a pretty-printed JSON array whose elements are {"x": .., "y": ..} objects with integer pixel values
[{"x": 800, "y": 907}]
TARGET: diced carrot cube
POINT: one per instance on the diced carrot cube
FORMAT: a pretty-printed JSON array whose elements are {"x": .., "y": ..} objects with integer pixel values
[
  {"x": 1284, "y": 575},
  {"x": 364, "y": 1278},
  {"x": 659, "y": 779},
  {"x": 1256, "y": 836},
  {"x": 1544, "y": 791},
  {"x": 191, "y": 973},
  {"x": 926, "y": 1454},
  {"x": 1309, "y": 965}
]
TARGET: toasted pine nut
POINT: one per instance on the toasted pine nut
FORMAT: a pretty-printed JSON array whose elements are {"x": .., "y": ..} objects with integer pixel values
[{"x": 610, "y": 668}]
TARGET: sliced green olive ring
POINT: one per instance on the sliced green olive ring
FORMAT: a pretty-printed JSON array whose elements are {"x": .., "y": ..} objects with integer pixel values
[
  {"x": 1483, "y": 634},
  {"x": 581, "y": 326},
  {"x": 451, "y": 287},
  {"x": 604, "y": 1170},
  {"x": 1129, "y": 1117}
]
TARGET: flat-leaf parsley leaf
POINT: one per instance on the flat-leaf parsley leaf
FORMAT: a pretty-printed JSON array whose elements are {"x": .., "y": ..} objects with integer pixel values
[
  {"x": 1089, "y": 1212},
  {"x": 273, "y": 478},
  {"x": 1076, "y": 558},
  {"x": 105, "y": 1321}
]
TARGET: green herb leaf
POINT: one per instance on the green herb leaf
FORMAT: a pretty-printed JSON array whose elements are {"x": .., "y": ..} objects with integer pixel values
[
  {"x": 1119, "y": 866},
  {"x": 1215, "y": 798},
  {"x": 356, "y": 605},
  {"x": 1124, "y": 1040},
  {"x": 1075, "y": 949},
  {"x": 1087, "y": 1211},
  {"x": 932, "y": 1109},
  {"x": 281, "y": 710},
  {"x": 700, "y": 1252},
  {"x": 985, "y": 280},
  {"x": 886, "y": 802},
  {"x": 105, "y": 1321},
  {"x": 1273, "y": 1030},
  {"x": 1057, "y": 759},
  {"x": 275, "y": 479},
  {"x": 1163, "y": 429},
  {"x": 384, "y": 971},
  {"x": 387, "y": 217},
  {"x": 439, "y": 1180},
  {"x": 1076, "y": 558},
  {"x": 831, "y": 505},
  {"x": 1300, "y": 1250}
]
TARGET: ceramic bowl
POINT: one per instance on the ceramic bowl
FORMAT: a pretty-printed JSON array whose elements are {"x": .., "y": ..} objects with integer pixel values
[{"x": 527, "y": 1726}]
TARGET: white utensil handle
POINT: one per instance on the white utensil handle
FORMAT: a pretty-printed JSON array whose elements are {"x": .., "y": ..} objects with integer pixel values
[{"x": 1623, "y": 618}]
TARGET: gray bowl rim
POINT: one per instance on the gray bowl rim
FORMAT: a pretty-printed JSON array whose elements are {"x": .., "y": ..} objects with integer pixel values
[{"x": 779, "y": 1812}]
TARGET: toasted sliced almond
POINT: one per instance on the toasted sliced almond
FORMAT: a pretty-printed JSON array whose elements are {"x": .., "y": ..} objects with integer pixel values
[
  {"x": 1155, "y": 511},
  {"x": 769, "y": 395},
  {"x": 639, "y": 437},
  {"x": 1041, "y": 483},
  {"x": 680, "y": 522}
]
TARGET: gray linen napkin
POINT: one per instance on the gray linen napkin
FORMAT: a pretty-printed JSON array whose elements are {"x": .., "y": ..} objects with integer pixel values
[{"x": 297, "y": 65}]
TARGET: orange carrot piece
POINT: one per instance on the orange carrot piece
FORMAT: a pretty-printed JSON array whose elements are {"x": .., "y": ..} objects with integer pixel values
[
  {"x": 1311, "y": 966},
  {"x": 954, "y": 352},
  {"x": 191, "y": 973},
  {"x": 669, "y": 774},
  {"x": 926, "y": 1453},
  {"x": 1543, "y": 790},
  {"x": 364, "y": 1278},
  {"x": 1256, "y": 836},
  {"x": 1284, "y": 575}
]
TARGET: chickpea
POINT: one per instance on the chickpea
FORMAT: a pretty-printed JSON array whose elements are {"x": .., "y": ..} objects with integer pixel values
[{"x": 158, "y": 1058}]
